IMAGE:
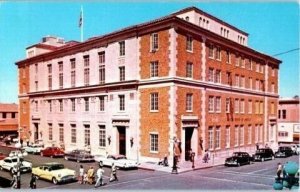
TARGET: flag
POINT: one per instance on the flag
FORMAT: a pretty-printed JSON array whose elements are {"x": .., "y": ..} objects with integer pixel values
[{"x": 80, "y": 19}]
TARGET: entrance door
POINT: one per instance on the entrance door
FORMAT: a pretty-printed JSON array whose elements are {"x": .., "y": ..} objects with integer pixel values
[
  {"x": 188, "y": 139},
  {"x": 122, "y": 140},
  {"x": 36, "y": 131}
]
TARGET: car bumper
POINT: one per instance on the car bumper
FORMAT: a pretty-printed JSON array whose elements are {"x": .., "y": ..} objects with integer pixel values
[
  {"x": 280, "y": 155},
  {"x": 25, "y": 169},
  {"x": 231, "y": 163},
  {"x": 67, "y": 178}
]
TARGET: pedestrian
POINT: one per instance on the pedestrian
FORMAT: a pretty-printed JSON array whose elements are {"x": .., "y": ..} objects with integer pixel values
[
  {"x": 266, "y": 146},
  {"x": 99, "y": 174},
  {"x": 113, "y": 174},
  {"x": 85, "y": 178},
  {"x": 81, "y": 173},
  {"x": 90, "y": 175},
  {"x": 33, "y": 181},
  {"x": 206, "y": 156},
  {"x": 284, "y": 174},
  {"x": 257, "y": 146},
  {"x": 279, "y": 170},
  {"x": 14, "y": 182}
]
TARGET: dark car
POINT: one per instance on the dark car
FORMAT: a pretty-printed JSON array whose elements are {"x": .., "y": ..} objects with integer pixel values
[
  {"x": 52, "y": 152},
  {"x": 79, "y": 156},
  {"x": 2, "y": 156},
  {"x": 284, "y": 152},
  {"x": 263, "y": 154},
  {"x": 238, "y": 158}
]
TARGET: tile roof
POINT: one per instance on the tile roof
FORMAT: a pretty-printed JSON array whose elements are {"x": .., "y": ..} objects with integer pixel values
[{"x": 8, "y": 107}]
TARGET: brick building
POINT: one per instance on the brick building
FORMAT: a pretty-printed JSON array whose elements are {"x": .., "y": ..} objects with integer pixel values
[
  {"x": 288, "y": 120},
  {"x": 8, "y": 119},
  {"x": 188, "y": 76}
]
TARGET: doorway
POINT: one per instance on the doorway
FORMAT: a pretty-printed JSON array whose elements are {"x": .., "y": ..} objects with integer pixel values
[
  {"x": 122, "y": 140},
  {"x": 36, "y": 132},
  {"x": 188, "y": 142}
]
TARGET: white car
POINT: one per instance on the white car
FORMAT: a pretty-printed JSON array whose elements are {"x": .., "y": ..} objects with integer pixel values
[
  {"x": 16, "y": 153},
  {"x": 119, "y": 161},
  {"x": 9, "y": 163},
  {"x": 34, "y": 148}
]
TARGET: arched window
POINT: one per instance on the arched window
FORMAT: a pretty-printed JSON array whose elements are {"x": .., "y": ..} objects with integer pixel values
[
  {"x": 187, "y": 18},
  {"x": 200, "y": 21}
]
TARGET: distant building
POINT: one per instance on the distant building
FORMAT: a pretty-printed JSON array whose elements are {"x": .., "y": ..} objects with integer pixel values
[
  {"x": 189, "y": 77},
  {"x": 288, "y": 120},
  {"x": 8, "y": 119}
]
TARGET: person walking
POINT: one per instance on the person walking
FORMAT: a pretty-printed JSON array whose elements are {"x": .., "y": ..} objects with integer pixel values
[
  {"x": 81, "y": 174},
  {"x": 257, "y": 146},
  {"x": 33, "y": 182},
  {"x": 113, "y": 174},
  {"x": 14, "y": 181},
  {"x": 90, "y": 175},
  {"x": 99, "y": 174},
  {"x": 279, "y": 170}
]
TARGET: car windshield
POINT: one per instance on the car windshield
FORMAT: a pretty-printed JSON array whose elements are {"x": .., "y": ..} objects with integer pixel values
[
  {"x": 16, "y": 160},
  {"x": 57, "y": 167},
  {"x": 236, "y": 154},
  {"x": 121, "y": 157},
  {"x": 260, "y": 151}
]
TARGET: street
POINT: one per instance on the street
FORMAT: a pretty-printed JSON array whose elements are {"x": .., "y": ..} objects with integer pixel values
[{"x": 257, "y": 176}]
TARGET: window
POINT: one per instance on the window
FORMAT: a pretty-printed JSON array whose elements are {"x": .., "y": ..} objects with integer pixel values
[
  {"x": 250, "y": 83},
  {"x": 50, "y": 105},
  {"x": 236, "y": 136},
  {"x": 250, "y": 106},
  {"x": 189, "y": 70},
  {"x": 218, "y": 104},
  {"x": 236, "y": 106},
  {"x": 211, "y": 74},
  {"x": 261, "y": 69},
  {"x": 261, "y": 85},
  {"x": 261, "y": 133},
  {"x": 122, "y": 73},
  {"x": 49, "y": 76},
  {"x": 154, "y": 102},
  {"x": 101, "y": 56},
  {"x": 218, "y": 53},
  {"x": 228, "y": 60},
  {"x": 227, "y": 105},
  {"x": 242, "y": 106},
  {"x": 227, "y": 137},
  {"x": 154, "y": 69},
  {"x": 61, "y": 132},
  {"x": 101, "y": 103},
  {"x": 249, "y": 134},
  {"x": 256, "y": 133},
  {"x": 154, "y": 41},
  {"x": 218, "y": 138},
  {"x": 210, "y": 138},
  {"x": 218, "y": 76},
  {"x": 4, "y": 115},
  {"x": 228, "y": 78},
  {"x": 257, "y": 67},
  {"x": 153, "y": 142},
  {"x": 73, "y": 72},
  {"x": 243, "y": 63},
  {"x": 187, "y": 18},
  {"x": 86, "y": 70},
  {"x": 61, "y": 105},
  {"x": 211, "y": 104},
  {"x": 36, "y": 85},
  {"x": 272, "y": 108},
  {"x": 242, "y": 82},
  {"x": 73, "y": 108},
  {"x": 101, "y": 74},
  {"x": 122, "y": 102},
  {"x": 61, "y": 74},
  {"x": 87, "y": 135},
  {"x": 36, "y": 108},
  {"x": 189, "y": 102},
  {"x": 102, "y": 136},
  {"x": 237, "y": 60},
  {"x": 257, "y": 84},
  {"x": 241, "y": 135},
  {"x": 279, "y": 114},
  {"x": 86, "y": 104},
  {"x": 211, "y": 51},
  {"x": 273, "y": 72},
  {"x": 13, "y": 115},
  {"x": 122, "y": 48},
  {"x": 237, "y": 80},
  {"x": 50, "y": 131},
  {"x": 283, "y": 114},
  {"x": 189, "y": 43},
  {"x": 261, "y": 107},
  {"x": 73, "y": 133},
  {"x": 256, "y": 107}
]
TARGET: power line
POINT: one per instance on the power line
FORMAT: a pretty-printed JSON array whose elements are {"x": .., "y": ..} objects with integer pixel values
[{"x": 286, "y": 52}]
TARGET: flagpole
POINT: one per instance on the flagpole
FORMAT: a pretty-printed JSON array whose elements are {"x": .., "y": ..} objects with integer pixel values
[{"x": 81, "y": 28}]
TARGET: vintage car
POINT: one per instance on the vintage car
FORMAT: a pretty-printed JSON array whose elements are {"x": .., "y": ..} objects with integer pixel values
[
  {"x": 79, "y": 156},
  {"x": 33, "y": 148},
  {"x": 119, "y": 160},
  {"x": 55, "y": 172},
  {"x": 2, "y": 156},
  {"x": 9, "y": 163},
  {"x": 263, "y": 154},
  {"x": 238, "y": 159},
  {"x": 52, "y": 152},
  {"x": 15, "y": 153},
  {"x": 284, "y": 152}
]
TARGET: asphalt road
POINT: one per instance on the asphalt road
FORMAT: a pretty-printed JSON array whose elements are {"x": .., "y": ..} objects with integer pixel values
[{"x": 257, "y": 176}]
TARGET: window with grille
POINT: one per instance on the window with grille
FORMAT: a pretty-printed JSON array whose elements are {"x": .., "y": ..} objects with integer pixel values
[
  {"x": 61, "y": 105},
  {"x": 86, "y": 104},
  {"x": 154, "y": 102},
  {"x": 101, "y": 103},
  {"x": 50, "y": 105},
  {"x": 189, "y": 102},
  {"x": 73, "y": 107},
  {"x": 154, "y": 69},
  {"x": 228, "y": 59},
  {"x": 283, "y": 114},
  {"x": 61, "y": 74},
  {"x": 210, "y": 138},
  {"x": 189, "y": 43},
  {"x": 218, "y": 53},
  {"x": 36, "y": 106},
  {"x": 211, "y": 51},
  {"x": 228, "y": 78},
  {"x": 242, "y": 81},
  {"x": 122, "y": 73},
  {"x": 218, "y": 138},
  {"x": 227, "y": 137},
  {"x": 218, "y": 104},
  {"x": 218, "y": 76},
  {"x": 250, "y": 106},
  {"x": 237, "y": 80},
  {"x": 236, "y": 106},
  {"x": 61, "y": 132},
  {"x": 50, "y": 131},
  {"x": 101, "y": 56},
  {"x": 86, "y": 70},
  {"x": 87, "y": 135},
  {"x": 73, "y": 72},
  {"x": 211, "y": 74},
  {"x": 227, "y": 105},
  {"x": 242, "y": 106},
  {"x": 73, "y": 133},
  {"x": 122, "y": 102},
  {"x": 210, "y": 104},
  {"x": 49, "y": 76},
  {"x": 154, "y": 41},
  {"x": 153, "y": 142},
  {"x": 101, "y": 74},
  {"x": 241, "y": 136},
  {"x": 102, "y": 136},
  {"x": 189, "y": 70},
  {"x": 122, "y": 48}
]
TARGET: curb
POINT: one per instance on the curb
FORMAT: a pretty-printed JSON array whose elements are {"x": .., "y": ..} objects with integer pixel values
[{"x": 146, "y": 168}]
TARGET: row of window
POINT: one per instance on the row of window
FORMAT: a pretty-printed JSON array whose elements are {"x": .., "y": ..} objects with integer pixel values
[
  {"x": 282, "y": 114},
  {"x": 87, "y": 134},
  {"x": 5, "y": 115}
]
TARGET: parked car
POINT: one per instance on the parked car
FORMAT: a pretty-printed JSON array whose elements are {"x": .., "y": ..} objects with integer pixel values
[
  {"x": 263, "y": 154},
  {"x": 17, "y": 153},
  {"x": 119, "y": 161},
  {"x": 33, "y": 148},
  {"x": 79, "y": 156},
  {"x": 238, "y": 158},
  {"x": 9, "y": 163},
  {"x": 52, "y": 152},
  {"x": 284, "y": 152},
  {"x": 55, "y": 172},
  {"x": 2, "y": 156},
  {"x": 296, "y": 149}
]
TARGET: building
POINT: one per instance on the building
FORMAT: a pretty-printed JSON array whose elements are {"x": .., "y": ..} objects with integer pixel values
[
  {"x": 187, "y": 77},
  {"x": 288, "y": 120},
  {"x": 8, "y": 119}
]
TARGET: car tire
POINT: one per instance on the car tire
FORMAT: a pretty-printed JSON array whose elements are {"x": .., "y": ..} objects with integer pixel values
[
  {"x": 262, "y": 159},
  {"x": 238, "y": 164},
  {"x": 273, "y": 157},
  {"x": 42, "y": 154},
  {"x": 54, "y": 181}
]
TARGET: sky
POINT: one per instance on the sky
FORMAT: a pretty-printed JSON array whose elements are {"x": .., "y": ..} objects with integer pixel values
[{"x": 273, "y": 28}]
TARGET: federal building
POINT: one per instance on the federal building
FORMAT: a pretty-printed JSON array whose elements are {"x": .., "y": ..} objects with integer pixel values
[{"x": 187, "y": 77}]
